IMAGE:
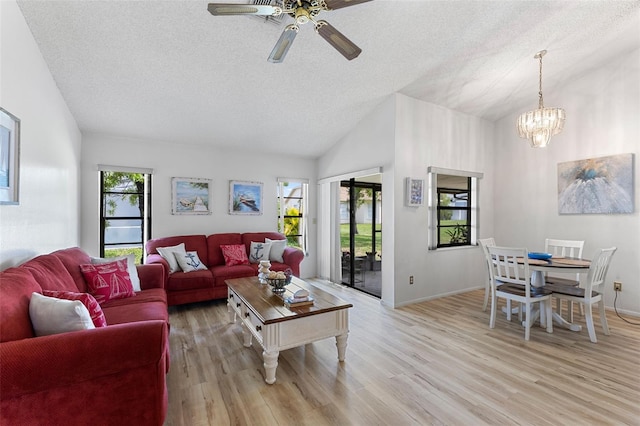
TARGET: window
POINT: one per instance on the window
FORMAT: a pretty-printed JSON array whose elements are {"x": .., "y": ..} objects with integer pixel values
[
  {"x": 453, "y": 207},
  {"x": 292, "y": 211},
  {"x": 125, "y": 211}
]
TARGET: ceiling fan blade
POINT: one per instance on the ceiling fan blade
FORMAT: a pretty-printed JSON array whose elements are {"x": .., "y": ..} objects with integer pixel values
[
  {"x": 221, "y": 9},
  {"x": 284, "y": 43},
  {"x": 335, "y": 38},
  {"x": 339, "y": 4}
]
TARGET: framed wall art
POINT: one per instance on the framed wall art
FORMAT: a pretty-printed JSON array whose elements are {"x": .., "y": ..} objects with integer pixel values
[
  {"x": 190, "y": 196},
  {"x": 415, "y": 192},
  {"x": 245, "y": 197},
  {"x": 9, "y": 157},
  {"x": 602, "y": 185}
]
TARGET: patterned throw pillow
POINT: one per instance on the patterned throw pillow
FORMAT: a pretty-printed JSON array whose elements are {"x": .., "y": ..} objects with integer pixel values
[
  {"x": 234, "y": 254},
  {"x": 190, "y": 261},
  {"x": 259, "y": 251},
  {"x": 131, "y": 266},
  {"x": 95, "y": 311},
  {"x": 108, "y": 281}
]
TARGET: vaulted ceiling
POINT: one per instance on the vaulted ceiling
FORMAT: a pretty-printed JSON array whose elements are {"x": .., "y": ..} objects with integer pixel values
[{"x": 170, "y": 71}]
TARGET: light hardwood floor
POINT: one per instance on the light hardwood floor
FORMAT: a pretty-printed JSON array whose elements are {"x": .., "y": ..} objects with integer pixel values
[{"x": 431, "y": 363}]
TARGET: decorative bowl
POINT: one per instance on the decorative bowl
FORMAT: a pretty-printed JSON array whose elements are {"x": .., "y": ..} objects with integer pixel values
[
  {"x": 540, "y": 256},
  {"x": 277, "y": 284}
]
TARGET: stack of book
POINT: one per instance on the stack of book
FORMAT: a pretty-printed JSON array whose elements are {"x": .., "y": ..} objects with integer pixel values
[{"x": 296, "y": 302}]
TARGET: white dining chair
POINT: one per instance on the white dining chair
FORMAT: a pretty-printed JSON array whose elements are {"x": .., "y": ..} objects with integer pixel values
[
  {"x": 511, "y": 280},
  {"x": 564, "y": 248},
  {"x": 592, "y": 292},
  {"x": 484, "y": 244}
]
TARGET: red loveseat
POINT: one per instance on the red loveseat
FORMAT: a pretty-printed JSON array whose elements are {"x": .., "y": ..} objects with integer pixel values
[
  {"x": 196, "y": 286},
  {"x": 113, "y": 375}
]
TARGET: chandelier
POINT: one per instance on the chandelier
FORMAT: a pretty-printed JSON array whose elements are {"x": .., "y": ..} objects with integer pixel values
[{"x": 539, "y": 125}]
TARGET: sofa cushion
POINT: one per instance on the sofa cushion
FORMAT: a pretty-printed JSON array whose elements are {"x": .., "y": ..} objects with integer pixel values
[
  {"x": 50, "y": 315},
  {"x": 108, "y": 280},
  {"x": 214, "y": 241},
  {"x": 169, "y": 254},
  {"x": 234, "y": 254},
  {"x": 238, "y": 271},
  {"x": 16, "y": 286},
  {"x": 277, "y": 249},
  {"x": 121, "y": 313},
  {"x": 248, "y": 237},
  {"x": 259, "y": 251},
  {"x": 72, "y": 258},
  {"x": 95, "y": 311},
  {"x": 189, "y": 261},
  {"x": 191, "y": 243},
  {"x": 190, "y": 280},
  {"x": 131, "y": 267},
  {"x": 50, "y": 273}
]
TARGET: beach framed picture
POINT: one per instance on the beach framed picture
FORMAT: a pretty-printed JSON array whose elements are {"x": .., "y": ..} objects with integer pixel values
[
  {"x": 601, "y": 185},
  {"x": 190, "y": 196},
  {"x": 9, "y": 157},
  {"x": 245, "y": 198}
]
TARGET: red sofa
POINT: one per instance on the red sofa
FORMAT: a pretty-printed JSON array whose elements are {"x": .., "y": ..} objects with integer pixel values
[
  {"x": 195, "y": 286},
  {"x": 113, "y": 375}
]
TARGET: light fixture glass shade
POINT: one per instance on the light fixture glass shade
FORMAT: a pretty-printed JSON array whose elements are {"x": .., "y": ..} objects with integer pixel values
[{"x": 539, "y": 125}]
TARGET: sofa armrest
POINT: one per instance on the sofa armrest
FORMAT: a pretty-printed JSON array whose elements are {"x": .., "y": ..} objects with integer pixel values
[
  {"x": 151, "y": 276},
  {"x": 153, "y": 259},
  {"x": 41, "y": 363},
  {"x": 293, "y": 257}
]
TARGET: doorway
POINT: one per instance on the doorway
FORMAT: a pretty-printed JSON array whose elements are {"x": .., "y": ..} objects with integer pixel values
[{"x": 361, "y": 233}]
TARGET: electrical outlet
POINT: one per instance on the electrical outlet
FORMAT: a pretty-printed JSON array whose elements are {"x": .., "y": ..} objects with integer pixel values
[
  {"x": 410, "y": 279},
  {"x": 617, "y": 286}
]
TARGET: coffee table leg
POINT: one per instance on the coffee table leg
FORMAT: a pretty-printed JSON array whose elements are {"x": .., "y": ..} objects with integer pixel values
[
  {"x": 231, "y": 312},
  {"x": 270, "y": 365},
  {"x": 341, "y": 343},
  {"x": 246, "y": 335}
]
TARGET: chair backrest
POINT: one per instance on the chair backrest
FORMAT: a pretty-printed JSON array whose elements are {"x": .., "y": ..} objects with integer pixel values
[
  {"x": 598, "y": 271},
  {"x": 565, "y": 248},
  {"x": 510, "y": 265},
  {"x": 485, "y": 243}
]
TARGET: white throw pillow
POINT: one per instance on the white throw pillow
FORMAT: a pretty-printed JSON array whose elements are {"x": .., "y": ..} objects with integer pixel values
[
  {"x": 168, "y": 254},
  {"x": 50, "y": 315},
  {"x": 131, "y": 267},
  {"x": 189, "y": 261},
  {"x": 259, "y": 251},
  {"x": 277, "y": 249}
]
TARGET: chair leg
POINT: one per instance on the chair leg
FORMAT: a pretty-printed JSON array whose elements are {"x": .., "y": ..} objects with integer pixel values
[
  {"x": 549, "y": 313},
  {"x": 487, "y": 289},
  {"x": 494, "y": 308},
  {"x": 527, "y": 322},
  {"x": 508, "y": 309},
  {"x": 543, "y": 312},
  {"x": 559, "y": 306},
  {"x": 603, "y": 317},
  {"x": 589, "y": 317},
  {"x": 570, "y": 308}
]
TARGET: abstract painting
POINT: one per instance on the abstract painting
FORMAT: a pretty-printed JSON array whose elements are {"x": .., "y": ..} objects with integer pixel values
[
  {"x": 415, "y": 192},
  {"x": 245, "y": 198},
  {"x": 602, "y": 185},
  {"x": 191, "y": 196}
]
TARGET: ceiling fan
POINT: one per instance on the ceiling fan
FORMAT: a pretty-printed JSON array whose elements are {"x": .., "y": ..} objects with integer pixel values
[{"x": 302, "y": 11}]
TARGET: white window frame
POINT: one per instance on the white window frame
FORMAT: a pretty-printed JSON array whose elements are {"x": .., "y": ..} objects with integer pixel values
[
  {"x": 304, "y": 228},
  {"x": 432, "y": 199}
]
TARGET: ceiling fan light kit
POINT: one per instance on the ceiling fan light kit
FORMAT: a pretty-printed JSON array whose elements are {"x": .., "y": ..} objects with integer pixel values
[
  {"x": 539, "y": 125},
  {"x": 302, "y": 11}
]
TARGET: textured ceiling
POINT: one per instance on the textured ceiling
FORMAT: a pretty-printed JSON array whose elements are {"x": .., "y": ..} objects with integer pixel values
[{"x": 170, "y": 71}]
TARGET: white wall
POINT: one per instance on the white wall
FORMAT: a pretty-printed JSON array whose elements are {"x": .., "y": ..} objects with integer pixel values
[
  {"x": 47, "y": 217},
  {"x": 370, "y": 145},
  {"x": 172, "y": 160},
  {"x": 431, "y": 135},
  {"x": 603, "y": 118}
]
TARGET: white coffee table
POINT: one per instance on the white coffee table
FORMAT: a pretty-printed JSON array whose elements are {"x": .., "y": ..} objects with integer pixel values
[{"x": 264, "y": 317}]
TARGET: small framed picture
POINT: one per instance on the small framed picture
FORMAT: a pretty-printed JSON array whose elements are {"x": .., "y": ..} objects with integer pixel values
[
  {"x": 190, "y": 196},
  {"x": 245, "y": 198},
  {"x": 415, "y": 192},
  {"x": 9, "y": 157}
]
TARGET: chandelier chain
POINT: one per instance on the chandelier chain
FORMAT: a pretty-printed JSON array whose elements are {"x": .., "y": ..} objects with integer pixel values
[{"x": 540, "y": 102}]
